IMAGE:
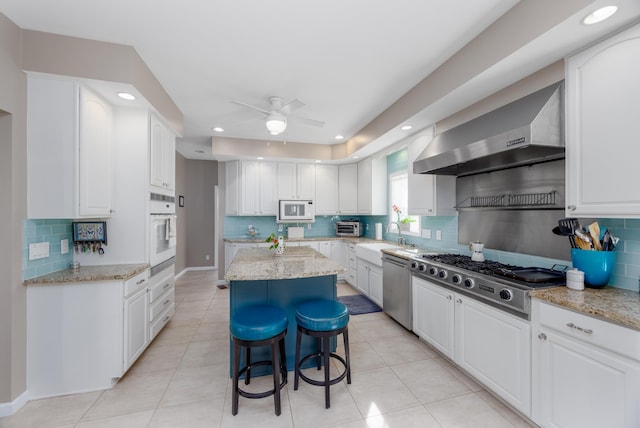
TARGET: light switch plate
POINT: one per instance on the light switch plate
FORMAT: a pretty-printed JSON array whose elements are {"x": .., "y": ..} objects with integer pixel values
[
  {"x": 426, "y": 233},
  {"x": 438, "y": 235},
  {"x": 39, "y": 250},
  {"x": 64, "y": 246}
]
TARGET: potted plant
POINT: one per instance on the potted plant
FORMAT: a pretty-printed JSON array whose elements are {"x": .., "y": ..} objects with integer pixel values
[
  {"x": 403, "y": 224},
  {"x": 277, "y": 244}
]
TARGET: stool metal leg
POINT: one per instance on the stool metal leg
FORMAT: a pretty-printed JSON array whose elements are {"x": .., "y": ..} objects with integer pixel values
[
  {"x": 247, "y": 363},
  {"x": 276, "y": 376},
  {"x": 296, "y": 376},
  {"x": 236, "y": 375},
  {"x": 326, "y": 351},
  {"x": 283, "y": 361},
  {"x": 345, "y": 337}
]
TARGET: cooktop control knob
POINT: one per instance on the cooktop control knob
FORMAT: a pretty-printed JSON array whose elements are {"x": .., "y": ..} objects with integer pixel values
[
  {"x": 422, "y": 267},
  {"x": 433, "y": 271},
  {"x": 414, "y": 265},
  {"x": 469, "y": 283},
  {"x": 456, "y": 279},
  {"x": 506, "y": 294},
  {"x": 443, "y": 274}
]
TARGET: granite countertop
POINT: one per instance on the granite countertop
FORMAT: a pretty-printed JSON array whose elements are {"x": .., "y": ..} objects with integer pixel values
[
  {"x": 357, "y": 240},
  {"x": 611, "y": 304},
  {"x": 90, "y": 274},
  {"x": 255, "y": 264}
]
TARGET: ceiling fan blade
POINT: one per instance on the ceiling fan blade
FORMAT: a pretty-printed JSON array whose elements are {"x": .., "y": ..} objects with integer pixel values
[
  {"x": 307, "y": 121},
  {"x": 261, "y": 110},
  {"x": 291, "y": 106}
]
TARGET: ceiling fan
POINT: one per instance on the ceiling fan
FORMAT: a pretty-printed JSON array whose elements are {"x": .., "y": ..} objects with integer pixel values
[{"x": 278, "y": 113}]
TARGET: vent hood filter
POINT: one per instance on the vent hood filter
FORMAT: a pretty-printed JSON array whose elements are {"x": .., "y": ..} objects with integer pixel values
[{"x": 527, "y": 131}]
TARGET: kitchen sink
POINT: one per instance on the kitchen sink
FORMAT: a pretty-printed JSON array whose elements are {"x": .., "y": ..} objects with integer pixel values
[{"x": 372, "y": 252}]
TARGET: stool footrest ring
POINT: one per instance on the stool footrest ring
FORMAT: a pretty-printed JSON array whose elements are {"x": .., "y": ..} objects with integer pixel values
[
  {"x": 247, "y": 394},
  {"x": 321, "y": 382}
]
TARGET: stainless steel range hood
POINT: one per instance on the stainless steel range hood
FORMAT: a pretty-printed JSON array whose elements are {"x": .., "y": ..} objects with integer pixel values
[{"x": 527, "y": 131}]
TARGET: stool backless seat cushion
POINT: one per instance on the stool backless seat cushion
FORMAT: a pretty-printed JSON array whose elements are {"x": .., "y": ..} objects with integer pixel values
[
  {"x": 322, "y": 315},
  {"x": 258, "y": 322}
]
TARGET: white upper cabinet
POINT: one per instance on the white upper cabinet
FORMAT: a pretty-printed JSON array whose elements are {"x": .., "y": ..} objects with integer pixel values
[
  {"x": 258, "y": 188},
  {"x": 429, "y": 195},
  {"x": 69, "y": 150},
  {"x": 232, "y": 186},
  {"x": 296, "y": 181},
  {"x": 348, "y": 189},
  {"x": 603, "y": 101},
  {"x": 162, "y": 157},
  {"x": 326, "y": 189},
  {"x": 372, "y": 186}
]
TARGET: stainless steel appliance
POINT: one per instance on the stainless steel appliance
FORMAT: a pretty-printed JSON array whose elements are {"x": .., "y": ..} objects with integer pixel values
[
  {"x": 349, "y": 228},
  {"x": 499, "y": 285},
  {"x": 396, "y": 289},
  {"x": 162, "y": 228},
  {"x": 296, "y": 211}
]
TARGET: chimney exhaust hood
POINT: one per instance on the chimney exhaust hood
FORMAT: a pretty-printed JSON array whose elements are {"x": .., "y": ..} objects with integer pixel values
[{"x": 524, "y": 132}]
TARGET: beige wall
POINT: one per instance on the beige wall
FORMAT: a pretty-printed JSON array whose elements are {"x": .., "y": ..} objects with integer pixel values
[
  {"x": 13, "y": 187},
  {"x": 181, "y": 189},
  {"x": 201, "y": 179}
]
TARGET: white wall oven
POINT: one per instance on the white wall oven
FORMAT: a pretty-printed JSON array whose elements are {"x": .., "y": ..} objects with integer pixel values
[{"x": 162, "y": 225}]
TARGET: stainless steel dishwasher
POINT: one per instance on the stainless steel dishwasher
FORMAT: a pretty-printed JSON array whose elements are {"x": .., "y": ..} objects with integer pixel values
[{"x": 396, "y": 289}]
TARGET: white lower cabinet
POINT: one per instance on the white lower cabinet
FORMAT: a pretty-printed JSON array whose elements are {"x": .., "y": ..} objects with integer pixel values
[
  {"x": 351, "y": 264},
  {"x": 586, "y": 372},
  {"x": 84, "y": 336},
  {"x": 489, "y": 344},
  {"x": 370, "y": 281},
  {"x": 162, "y": 299}
]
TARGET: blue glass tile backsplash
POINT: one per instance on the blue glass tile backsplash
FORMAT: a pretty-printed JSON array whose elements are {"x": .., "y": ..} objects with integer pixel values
[{"x": 51, "y": 231}]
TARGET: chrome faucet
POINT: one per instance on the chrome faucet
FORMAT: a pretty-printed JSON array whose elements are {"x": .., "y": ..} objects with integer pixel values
[{"x": 401, "y": 240}]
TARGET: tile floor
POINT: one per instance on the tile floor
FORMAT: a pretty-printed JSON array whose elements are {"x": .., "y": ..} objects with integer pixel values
[{"x": 182, "y": 381}]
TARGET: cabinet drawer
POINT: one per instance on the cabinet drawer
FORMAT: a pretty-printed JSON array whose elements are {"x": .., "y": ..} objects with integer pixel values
[
  {"x": 136, "y": 283},
  {"x": 162, "y": 320},
  {"x": 162, "y": 303},
  {"x": 160, "y": 286},
  {"x": 615, "y": 338}
]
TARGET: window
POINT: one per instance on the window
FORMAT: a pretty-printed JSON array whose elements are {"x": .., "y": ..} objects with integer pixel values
[{"x": 399, "y": 196}]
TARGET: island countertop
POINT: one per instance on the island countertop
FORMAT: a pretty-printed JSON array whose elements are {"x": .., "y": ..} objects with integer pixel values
[
  {"x": 256, "y": 264},
  {"x": 90, "y": 274}
]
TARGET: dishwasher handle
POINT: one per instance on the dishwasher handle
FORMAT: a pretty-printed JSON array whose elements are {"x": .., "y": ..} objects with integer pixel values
[{"x": 395, "y": 262}]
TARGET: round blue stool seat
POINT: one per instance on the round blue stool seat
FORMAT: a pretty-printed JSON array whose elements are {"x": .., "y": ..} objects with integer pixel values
[
  {"x": 258, "y": 322},
  {"x": 322, "y": 315}
]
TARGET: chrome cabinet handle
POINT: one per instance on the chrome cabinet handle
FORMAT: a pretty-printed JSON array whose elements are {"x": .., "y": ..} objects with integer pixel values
[
  {"x": 166, "y": 302},
  {"x": 449, "y": 297},
  {"x": 542, "y": 336},
  {"x": 140, "y": 282},
  {"x": 576, "y": 327},
  {"x": 571, "y": 207},
  {"x": 166, "y": 318},
  {"x": 164, "y": 287},
  {"x": 459, "y": 300}
]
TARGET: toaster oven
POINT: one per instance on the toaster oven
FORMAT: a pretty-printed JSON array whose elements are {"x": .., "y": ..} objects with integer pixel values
[{"x": 349, "y": 228}]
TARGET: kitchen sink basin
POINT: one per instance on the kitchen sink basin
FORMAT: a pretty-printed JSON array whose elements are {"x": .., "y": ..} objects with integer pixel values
[{"x": 373, "y": 252}]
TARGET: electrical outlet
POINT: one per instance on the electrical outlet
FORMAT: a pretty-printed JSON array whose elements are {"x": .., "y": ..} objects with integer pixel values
[
  {"x": 438, "y": 235},
  {"x": 309, "y": 226},
  {"x": 426, "y": 233},
  {"x": 207, "y": 257},
  {"x": 64, "y": 246},
  {"x": 280, "y": 227},
  {"x": 39, "y": 250}
]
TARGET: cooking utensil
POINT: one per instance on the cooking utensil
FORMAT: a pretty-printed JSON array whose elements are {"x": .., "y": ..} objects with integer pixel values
[
  {"x": 594, "y": 231},
  {"x": 571, "y": 224},
  {"x": 562, "y": 231}
]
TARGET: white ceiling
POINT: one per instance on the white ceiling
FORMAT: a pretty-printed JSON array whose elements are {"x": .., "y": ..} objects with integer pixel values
[{"x": 348, "y": 61}]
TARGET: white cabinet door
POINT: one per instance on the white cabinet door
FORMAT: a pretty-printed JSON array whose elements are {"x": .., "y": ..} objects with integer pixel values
[
  {"x": 433, "y": 315},
  {"x": 352, "y": 264},
  {"x": 162, "y": 156},
  {"x": 582, "y": 386},
  {"x": 136, "y": 333},
  {"x": 603, "y": 98},
  {"x": 363, "y": 277},
  {"x": 232, "y": 187},
  {"x": 257, "y": 188},
  {"x": 324, "y": 248},
  {"x": 494, "y": 347},
  {"x": 430, "y": 195},
  {"x": 326, "y": 189},
  {"x": 287, "y": 178},
  {"x": 375, "y": 284},
  {"x": 372, "y": 186},
  {"x": 306, "y": 181},
  {"x": 348, "y": 189},
  {"x": 94, "y": 162}
]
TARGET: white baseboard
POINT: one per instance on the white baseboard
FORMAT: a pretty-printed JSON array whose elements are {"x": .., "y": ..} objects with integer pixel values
[
  {"x": 8, "y": 409},
  {"x": 185, "y": 270},
  {"x": 222, "y": 282}
]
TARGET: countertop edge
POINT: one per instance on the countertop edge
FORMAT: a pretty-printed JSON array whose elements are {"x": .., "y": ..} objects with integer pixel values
[{"x": 89, "y": 274}]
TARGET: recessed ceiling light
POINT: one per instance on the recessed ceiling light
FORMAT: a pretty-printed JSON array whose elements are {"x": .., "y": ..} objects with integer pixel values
[
  {"x": 599, "y": 15},
  {"x": 126, "y": 96},
  {"x": 199, "y": 151},
  {"x": 218, "y": 129},
  {"x": 318, "y": 161},
  {"x": 339, "y": 137},
  {"x": 355, "y": 157},
  {"x": 260, "y": 158},
  {"x": 406, "y": 127}
]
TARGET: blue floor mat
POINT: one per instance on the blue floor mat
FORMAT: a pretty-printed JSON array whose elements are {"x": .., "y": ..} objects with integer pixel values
[{"x": 359, "y": 304}]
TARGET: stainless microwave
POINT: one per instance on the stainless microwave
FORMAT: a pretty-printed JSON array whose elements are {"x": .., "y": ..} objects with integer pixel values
[{"x": 296, "y": 211}]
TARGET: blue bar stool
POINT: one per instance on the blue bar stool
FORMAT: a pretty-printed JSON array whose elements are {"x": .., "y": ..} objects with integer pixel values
[
  {"x": 323, "y": 319},
  {"x": 251, "y": 327}
]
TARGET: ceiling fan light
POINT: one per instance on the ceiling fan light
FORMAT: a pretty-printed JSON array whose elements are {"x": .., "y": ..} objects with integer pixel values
[{"x": 276, "y": 125}]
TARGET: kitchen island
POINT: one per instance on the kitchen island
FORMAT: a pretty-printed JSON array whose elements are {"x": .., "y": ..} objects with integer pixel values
[{"x": 257, "y": 275}]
